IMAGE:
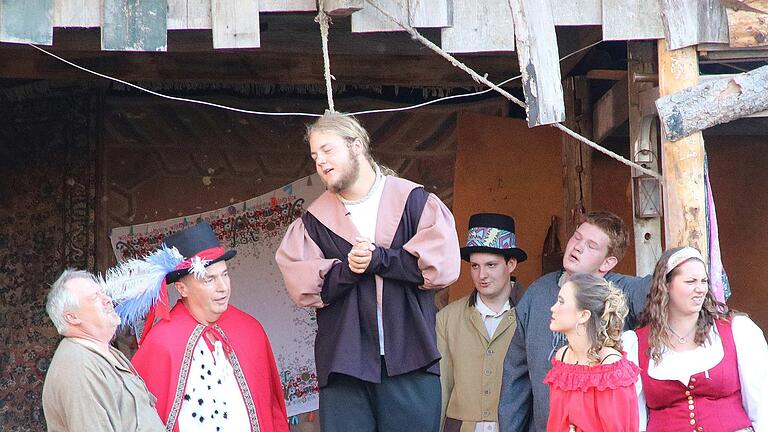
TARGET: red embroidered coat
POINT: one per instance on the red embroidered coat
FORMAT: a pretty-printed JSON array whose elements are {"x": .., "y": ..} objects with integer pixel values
[{"x": 165, "y": 356}]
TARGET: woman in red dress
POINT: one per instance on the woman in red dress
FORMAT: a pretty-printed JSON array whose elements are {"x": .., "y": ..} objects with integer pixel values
[{"x": 592, "y": 384}]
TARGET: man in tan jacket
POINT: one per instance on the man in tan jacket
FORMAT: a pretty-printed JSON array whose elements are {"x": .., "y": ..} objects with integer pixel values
[
  {"x": 474, "y": 332},
  {"x": 90, "y": 385}
]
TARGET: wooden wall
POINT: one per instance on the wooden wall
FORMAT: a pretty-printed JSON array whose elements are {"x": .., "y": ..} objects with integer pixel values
[
  {"x": 502, "y": 166},
  {"x": 524, "y": 181},
  {"x": 740, "y": 186}
]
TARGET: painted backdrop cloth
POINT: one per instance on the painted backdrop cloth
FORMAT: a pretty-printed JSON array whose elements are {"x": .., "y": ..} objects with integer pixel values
[
  {"x": 165, "y": 356},
  {"x": 255, "y": 228}
]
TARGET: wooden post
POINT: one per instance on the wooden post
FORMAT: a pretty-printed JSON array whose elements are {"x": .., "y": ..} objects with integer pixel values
[
  {"x": 577, "y": 158},
  {"x": 647, "y": 231},
  {"x": 683, "y": 160}
]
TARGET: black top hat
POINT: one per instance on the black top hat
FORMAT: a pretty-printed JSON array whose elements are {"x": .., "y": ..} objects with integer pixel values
[
  {"x": 492, "y": 233},
  {"x": 191, "y": 241}
]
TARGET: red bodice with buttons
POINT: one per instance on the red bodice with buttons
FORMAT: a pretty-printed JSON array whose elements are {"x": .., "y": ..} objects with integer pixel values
[{"x": 710, "y": 402}]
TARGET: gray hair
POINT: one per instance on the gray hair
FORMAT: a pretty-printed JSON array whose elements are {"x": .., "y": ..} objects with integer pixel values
[{"x": 61, "y": 300}]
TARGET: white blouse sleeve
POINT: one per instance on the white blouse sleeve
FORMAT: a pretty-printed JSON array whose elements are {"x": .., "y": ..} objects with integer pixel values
[
  {"x": 629, "y": 341},
  {"x": 752, "y": 353}
]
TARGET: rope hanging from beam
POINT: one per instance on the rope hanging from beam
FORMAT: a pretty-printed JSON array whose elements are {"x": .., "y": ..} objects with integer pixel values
[
  {"x": 324, "y": 21},
  {"x": 481, "y": 79}
]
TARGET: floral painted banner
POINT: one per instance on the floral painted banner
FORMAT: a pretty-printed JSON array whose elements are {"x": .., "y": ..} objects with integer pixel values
[{"x": 255, "y": 228}]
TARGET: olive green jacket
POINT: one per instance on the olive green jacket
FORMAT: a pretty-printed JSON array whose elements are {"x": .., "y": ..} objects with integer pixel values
[{"x": 471, "y": 364}]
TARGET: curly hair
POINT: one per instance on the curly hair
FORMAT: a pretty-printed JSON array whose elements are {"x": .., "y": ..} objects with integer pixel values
[
  {"x": 607, "y": 307},
  {"x": 656, "y": 312}
]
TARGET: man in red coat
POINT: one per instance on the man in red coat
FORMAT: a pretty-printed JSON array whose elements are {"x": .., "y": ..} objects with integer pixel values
[{"x": 209, "y": 364}]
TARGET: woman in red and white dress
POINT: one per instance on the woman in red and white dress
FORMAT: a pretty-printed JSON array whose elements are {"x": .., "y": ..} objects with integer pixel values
[
  {"x": 592, "y": 384},
  {"x": 703, "y": 367}
]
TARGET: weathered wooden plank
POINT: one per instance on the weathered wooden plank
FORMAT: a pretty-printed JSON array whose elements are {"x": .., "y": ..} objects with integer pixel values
[
  {"x": 539, "y": 62},
  {"x": 683, "y": 161},
  {"x": 29, "y": 21},
  {"x": 430, "y": 13},
  {"x": 576, "y": 157},
  {"x": 77, "y": 13},
  {"x": 189, "y": 14},
  {"x": 342, "y": 7},
  {"x": 177, "y": 15},
  {"x": 135, "y": 25},
  {"x": 287, "y": 5},
  {"x": 691, "y": 22},
  {"x": 647, "y": 101},
  {"x": 479, "y": 27},
  {"x": 199, "y": 14},
  {"x": 577, "y": 12},
  {"x": 607, "y": 74},
  {"x": 610, "y": 111},
  {"x": 632, "y": 20},
  {"x": 254, "y": 68},
  {"x": 747, "y": 22},
  {"x": 644, "y": 147},
  {"x": 713, "y": 102},
  {"x": 235, "y": 24},
  {"x": 369, "y": 19}
]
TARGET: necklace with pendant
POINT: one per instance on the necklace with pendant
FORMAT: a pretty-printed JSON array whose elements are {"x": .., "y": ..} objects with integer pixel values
[{"x": 681, "y": 339}]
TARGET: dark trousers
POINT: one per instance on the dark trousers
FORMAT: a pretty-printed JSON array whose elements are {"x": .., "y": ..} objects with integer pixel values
[{"x": 402, "y": 403}]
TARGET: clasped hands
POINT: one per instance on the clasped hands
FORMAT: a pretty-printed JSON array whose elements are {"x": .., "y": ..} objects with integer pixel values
[{"x": 360, "y": 256}]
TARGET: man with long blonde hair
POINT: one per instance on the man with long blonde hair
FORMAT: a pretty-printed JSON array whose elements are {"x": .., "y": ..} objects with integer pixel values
[{"x": 368, "y": 255}]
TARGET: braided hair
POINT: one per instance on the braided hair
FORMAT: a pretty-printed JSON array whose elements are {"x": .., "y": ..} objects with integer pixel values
[{"x": 607, "y": 307}]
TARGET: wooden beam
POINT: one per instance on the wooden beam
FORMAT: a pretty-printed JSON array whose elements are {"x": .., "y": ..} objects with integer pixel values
[
  {"x": 479, "y": 27},
  {"x": 747, "y": 23},
  {"x": 713, "y": 102},
  {"x": 644, "y": 147},
  {"x": 683, "y": 161},
  {"x": 705, "y": 78},
  {"x": 28, "y": 21},
  {"x": 539, "y": 62},
  {"x": 632, "y": 20},
  {"x": 254, "y": 67},
  {"x": 77, "y": 13},
  {"x": 576, "y": 157},
  {"x": 342, "y": 7},
  {"x": 691, "y": 22},
  {"x": 131, "y": 25},
  {"x": 610, "y": 111},
  {"x": 607, "y": 74},
  {"x": 235, "y": 24}
]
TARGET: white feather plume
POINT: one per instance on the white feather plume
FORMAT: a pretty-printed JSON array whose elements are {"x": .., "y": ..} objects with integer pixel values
[{"x": 135, "y": 285}]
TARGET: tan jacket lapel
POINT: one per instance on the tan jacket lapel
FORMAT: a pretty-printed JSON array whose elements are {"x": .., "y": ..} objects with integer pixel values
[{"x": 477, "y": 322}]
